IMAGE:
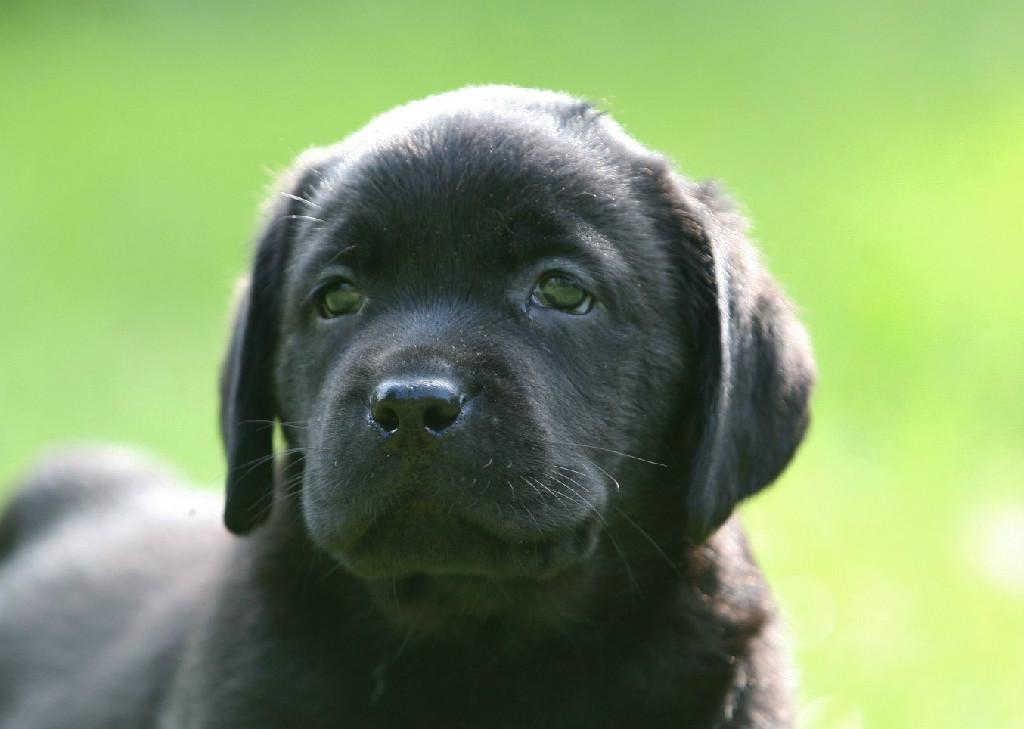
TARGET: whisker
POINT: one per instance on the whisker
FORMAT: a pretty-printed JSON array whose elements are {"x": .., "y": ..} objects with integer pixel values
[
  {"x": 618, "y": 486},
  {"x": 304, "y": 217},
  {"x": 650, "y": 540},
  {"x": 609, "y": 450},
  {"x": 335, "y": 568},
  {"x": 291, "y": 452},
  {"x": 582, "y": 499},
  {"x": 502, "y": 590},
  {"x": 528, "y": 512},
  {"x": 634, "y": 585},
  {"x": 257, "y": 421},
  {"x": 255, "y": 463},
  {"x": 564, "y": 470},
  {"x": 291, "y": 487},
  {"x": 541, "y": 488},
  {"x": 296, "y": 198}
]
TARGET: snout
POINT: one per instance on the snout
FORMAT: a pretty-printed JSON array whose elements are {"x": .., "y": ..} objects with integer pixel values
[
  {"x": 432, "y": 460},
  {"x": 414, "y": 412}
]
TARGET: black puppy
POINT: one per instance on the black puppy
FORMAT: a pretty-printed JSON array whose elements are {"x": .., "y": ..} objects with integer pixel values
[{"x": 524, "y": 372}]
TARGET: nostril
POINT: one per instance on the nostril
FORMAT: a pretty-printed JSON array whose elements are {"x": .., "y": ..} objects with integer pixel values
[
  {"x": 441, "y": 414},
  {"x": 385, "y": 417}
]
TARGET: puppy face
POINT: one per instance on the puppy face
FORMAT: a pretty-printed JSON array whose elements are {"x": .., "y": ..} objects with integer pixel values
[{"x": 492, "y": 326}]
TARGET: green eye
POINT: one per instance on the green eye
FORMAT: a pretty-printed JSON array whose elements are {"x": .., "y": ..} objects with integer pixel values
[
  {"x": 563, "y": 293},
  {"x": 338, "y": 298}
]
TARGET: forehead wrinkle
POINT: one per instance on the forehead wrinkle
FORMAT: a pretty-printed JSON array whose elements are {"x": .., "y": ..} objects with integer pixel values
[{"x": 318, "y": 252}]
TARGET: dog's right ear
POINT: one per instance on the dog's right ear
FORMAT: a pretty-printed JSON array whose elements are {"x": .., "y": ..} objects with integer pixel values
[{"x": 248, "y": 404}]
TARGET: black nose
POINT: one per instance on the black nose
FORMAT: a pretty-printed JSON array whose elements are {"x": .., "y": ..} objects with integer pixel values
[{"x": 416, "y": 406}]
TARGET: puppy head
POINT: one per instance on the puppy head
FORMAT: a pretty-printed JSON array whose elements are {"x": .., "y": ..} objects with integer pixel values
[{"x": 493, "y": 327}]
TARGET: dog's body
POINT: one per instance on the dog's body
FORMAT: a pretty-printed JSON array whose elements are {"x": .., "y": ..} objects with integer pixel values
[{"x": 524, "y": 372}]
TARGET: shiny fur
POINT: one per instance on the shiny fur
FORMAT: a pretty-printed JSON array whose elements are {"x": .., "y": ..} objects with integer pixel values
[{"x": 489, "y": 510}]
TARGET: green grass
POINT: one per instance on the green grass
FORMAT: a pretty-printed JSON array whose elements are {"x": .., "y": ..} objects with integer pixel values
[{"x": 878, "y": 147}]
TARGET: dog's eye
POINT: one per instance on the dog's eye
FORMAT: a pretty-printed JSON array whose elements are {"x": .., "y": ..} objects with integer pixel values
[
  {"x": 564, "y": 293},
  {"x": 337, "y": 298}
]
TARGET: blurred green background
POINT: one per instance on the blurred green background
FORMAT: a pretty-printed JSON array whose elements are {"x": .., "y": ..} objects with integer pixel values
[{"x": 878, "y": 146}]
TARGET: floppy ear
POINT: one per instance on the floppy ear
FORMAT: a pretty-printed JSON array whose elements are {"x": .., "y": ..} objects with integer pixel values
[
  {"x": 248, "y": 405},
  {"x": 754, "y": 366}
]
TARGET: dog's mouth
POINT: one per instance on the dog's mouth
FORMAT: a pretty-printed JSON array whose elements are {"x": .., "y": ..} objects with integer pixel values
[
  {"x": 432, "y": 570},
  {"x": 427, "y": 537}
]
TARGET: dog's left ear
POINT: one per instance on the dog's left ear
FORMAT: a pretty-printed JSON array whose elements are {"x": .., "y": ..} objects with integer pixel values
[
  {"x": 248, "y": 406},
  {"x": 754, "y": 364}
]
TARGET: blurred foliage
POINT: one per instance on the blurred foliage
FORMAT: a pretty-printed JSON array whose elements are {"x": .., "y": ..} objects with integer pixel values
[{"x": 879, "y": 147}]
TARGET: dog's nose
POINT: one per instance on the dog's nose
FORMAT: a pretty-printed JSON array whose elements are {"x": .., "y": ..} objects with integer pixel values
[{"x": 416, "y": 406}]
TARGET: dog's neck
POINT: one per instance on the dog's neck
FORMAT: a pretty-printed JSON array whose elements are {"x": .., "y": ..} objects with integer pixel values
[{"x": 650, "y": 615}]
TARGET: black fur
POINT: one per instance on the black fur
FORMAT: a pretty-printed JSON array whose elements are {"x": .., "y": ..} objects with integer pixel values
[{"x": 494, "y": 507}]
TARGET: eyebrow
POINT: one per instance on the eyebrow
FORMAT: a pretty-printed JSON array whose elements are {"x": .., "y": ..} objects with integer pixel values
[
  {"x": 569, "y": 235},
  {"x": 329, "y": 244},
  {"x": 313, "y": 255}
]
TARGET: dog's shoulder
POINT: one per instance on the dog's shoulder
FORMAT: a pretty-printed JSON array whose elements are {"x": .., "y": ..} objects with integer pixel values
[
  {"x": 75, "y": 482},
  {"x": 84, "y": 482},
  {"x": 133, "y": 551}
]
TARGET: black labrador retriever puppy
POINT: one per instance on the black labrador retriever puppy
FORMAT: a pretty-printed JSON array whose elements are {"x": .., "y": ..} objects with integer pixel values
[{"x": 523, "y": 372}]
